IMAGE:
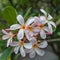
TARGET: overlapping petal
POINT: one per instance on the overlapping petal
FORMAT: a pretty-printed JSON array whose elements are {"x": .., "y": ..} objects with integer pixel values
[
  {"x": 20, "y": 19},
  {"x": 32, "y": 54},
  {"x": 28, "y": 45},
  {"x": 30, "y": 21},
  {"x": 42, "y": 34},
  {"x": 22, "y": 52},
  {"x": 43, "y": 44},
  {"x": 14, "y": 27},
  {"x": 20, "y": 34},
  {"x": 4, "y": 37},
  {"x": 16, "y": 49},
  {"x": 39, "y": 52}
]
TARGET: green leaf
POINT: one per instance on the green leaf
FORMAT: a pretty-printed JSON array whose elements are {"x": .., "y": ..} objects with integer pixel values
[
  {"x": 28, "y": 11},
  {"x": 9, "y": 14},
  {"x": 6, "y": 54},
  {"x": 2, "y": 43},
  {"x": 58, "y": 22},
  {"x": 3, "y": 26}
]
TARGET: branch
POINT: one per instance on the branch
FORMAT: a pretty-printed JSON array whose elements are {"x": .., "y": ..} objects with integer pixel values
[{"x": 54, "y": 40}]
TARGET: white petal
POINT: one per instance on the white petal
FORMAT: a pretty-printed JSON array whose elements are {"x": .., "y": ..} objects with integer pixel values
[
  {"x": 50, "y": 28},
  {"x": 28, "y": 45},
  {"x": 14, "y": 44},
  {"x": 52, "y": 23},
  {"x": 42, "y": 34},
  {"x": 16, "y": 49},
  {"x": 27, "y": 35},
  {"x": 22, "y": 52},
  {"x": 39, "y": 52},
  {"x": 14, "y": 27},
  {"x": 8, "y": 42},
  {"x": 32, "y": 54},
  {"x": 33, "y": 40},
  {"x": 29, "y": 21},
  {"x": 20, "y": 19},
  {"x": 4, "y": 37},
  {"x": 20, "y": 34},
  {"x": 4, "y": 31},
  {"x": 43, "y": 44},
  {"x": 43, "y": 20},
  {"x": 43, "y": 11},
  {"x": 49, "y": 17}
]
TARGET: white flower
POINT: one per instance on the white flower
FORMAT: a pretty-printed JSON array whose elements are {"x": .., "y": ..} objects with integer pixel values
[
  {"x": 8, "y": 36},
  {"x": 23, "y": 27},
  {"x": 21, "y": 46},
  {"x": 47, "y": 18},
  {"x": 40, "y": 27},
  {"x": 37, "y": 48}
]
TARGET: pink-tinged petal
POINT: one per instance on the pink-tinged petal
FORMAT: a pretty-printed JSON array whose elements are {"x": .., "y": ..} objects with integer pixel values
[
  {"x": 4, "y": 31},
  {"x": 50, "y": 28},
  {"x": 49, "y": 17},
  {"x": 52, "y": 23},
  {"x": 20, "y": 34},
  {"x": 14, "y": 27},
  {"x": 14, "y": 44},
  {"x": 8, "y": 42},
  {"x": 4, "y": 37},
  {"x": 43, "y": 11},
  {"x": 20, "y": 19},
  {"x": 16, "y": 49},
  {"x": 42, "y": 34},
  {"x": 30, "y": 21},
  {"x": 27, "y": 35},
  {"x": 30, "y": 33},
  {"x": 36, "y": 20},
  {"x": 36, "y": 30},
  {"x": 22, "y": 52},
  {"x": 32, "y": 54},
  {"x": 48, "y": 33},
  {"x": 28, "y": 45},
  {"x": 39, "y": 52},
  {"x": 43, "y": 44}
]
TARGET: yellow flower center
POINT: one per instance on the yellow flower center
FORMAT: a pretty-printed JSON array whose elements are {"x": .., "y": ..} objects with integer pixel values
[
  {"x": 46, "y": 18},
  {"x": 40, "y": 26},
  {"x": 23, "y": 26},
  {"x": 35, "y": 46},
  {"x": 21, "y": 43},
  {"x": 30, "y": 28},
  {"x": 10, "y": 35}
]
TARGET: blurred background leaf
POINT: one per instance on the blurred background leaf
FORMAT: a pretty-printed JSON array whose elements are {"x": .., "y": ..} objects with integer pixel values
[
  {"x": 9, "y": 14},
  {"x": 6, "y": 54}
]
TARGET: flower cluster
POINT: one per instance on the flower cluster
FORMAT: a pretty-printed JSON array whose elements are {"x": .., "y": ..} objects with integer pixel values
[{"x": 26, "y": 34}]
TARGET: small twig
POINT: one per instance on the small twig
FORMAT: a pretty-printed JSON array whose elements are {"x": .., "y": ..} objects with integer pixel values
[{"x": 54, "y": 40}]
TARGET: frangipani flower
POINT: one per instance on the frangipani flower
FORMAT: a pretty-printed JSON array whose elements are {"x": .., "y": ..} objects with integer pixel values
[
  {"x": 8, "y": 36},
  {"x": 40, "y": 27},
  {"x": 23, "y": 27},
  {"x": 47, "y": 18},
  {"x": 37, "y": 48},
  {"x": 20, "y": 46}
]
